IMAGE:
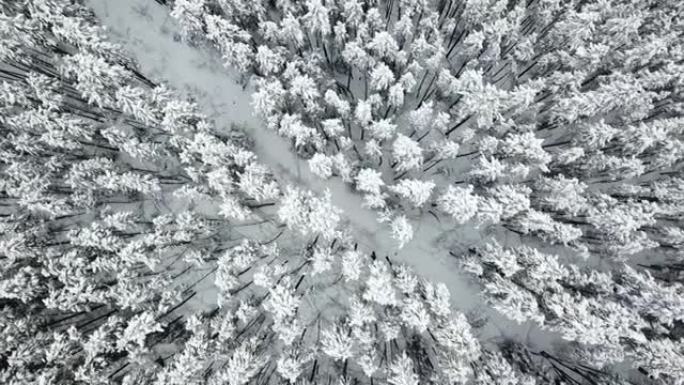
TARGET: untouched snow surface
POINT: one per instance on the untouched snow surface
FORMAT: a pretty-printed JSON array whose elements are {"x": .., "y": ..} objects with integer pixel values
[{"x": 151, "y": 36}]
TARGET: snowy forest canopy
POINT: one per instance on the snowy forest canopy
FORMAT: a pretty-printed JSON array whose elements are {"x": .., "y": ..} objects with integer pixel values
[{"x": 527, "y": 151}]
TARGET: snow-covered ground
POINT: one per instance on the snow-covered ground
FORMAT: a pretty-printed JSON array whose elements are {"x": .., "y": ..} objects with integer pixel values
[{"x": 148, "y": 33}]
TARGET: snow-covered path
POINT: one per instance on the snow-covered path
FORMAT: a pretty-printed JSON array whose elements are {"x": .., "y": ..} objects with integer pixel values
[{"x": 148, "y": 33}]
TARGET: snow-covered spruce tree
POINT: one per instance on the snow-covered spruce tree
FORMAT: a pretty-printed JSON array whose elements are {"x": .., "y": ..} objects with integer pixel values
[
  {"x": 556, "y": 120},
  {"x": 338, "y": 314},
  {"x": 106, "y": 188},
  {"x": 102, "y": 253},
  {"x": 607, "y": 316},
  {"x": 110, "y": 226},
  {"x": 482, "y": 93}
]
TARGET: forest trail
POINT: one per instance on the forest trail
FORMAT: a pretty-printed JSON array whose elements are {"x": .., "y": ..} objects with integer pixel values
[{"x": 145, "y": 29}]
